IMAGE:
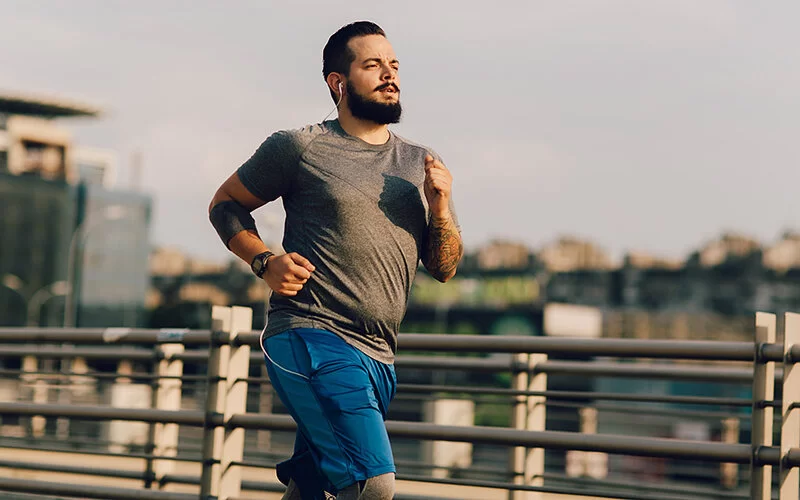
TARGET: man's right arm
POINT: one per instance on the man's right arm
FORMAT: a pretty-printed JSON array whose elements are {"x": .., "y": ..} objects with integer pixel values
[
  {"x": 244, "y": 243},
  {"x": 229, "y": 212}
]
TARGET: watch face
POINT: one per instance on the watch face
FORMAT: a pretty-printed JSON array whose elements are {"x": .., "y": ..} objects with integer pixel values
[{"x": 258, "y": 266}]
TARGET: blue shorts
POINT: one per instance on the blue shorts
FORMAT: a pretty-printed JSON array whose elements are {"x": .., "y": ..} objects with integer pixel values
[{"x": 339, "y": 398}]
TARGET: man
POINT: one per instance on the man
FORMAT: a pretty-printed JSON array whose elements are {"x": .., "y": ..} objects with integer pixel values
[{"x": 363, "y": 206}]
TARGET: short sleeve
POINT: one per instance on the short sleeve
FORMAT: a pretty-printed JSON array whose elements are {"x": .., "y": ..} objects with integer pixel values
[{"x": 269, "y": 172}]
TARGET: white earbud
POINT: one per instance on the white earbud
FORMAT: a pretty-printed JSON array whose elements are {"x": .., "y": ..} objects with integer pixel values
[{"x": 338, "y": 102}]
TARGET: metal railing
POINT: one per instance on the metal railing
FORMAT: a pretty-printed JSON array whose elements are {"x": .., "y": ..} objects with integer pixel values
[{"x": 226, "y": 353}]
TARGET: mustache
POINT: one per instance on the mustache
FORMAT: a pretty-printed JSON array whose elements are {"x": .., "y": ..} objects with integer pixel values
[{"x": 386, "y": 86}]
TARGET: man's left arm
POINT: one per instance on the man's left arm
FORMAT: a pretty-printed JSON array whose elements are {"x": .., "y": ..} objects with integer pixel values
[{"x": 442, "y": 248}]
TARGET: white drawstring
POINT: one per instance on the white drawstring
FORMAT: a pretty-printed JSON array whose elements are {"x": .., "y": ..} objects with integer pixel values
[
  {"x": 264, "y": 350},
  {"x": 261, "y": 338}
]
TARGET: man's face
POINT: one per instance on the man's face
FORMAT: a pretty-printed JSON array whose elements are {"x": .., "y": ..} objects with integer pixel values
[{"x": 373, "y": 86}]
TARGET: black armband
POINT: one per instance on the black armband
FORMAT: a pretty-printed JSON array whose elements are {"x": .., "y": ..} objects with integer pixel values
[{"x": 229, "y": 218}]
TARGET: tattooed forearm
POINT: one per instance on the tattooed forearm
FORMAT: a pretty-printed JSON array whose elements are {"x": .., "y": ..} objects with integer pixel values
[{"x": 443, "y": 248}]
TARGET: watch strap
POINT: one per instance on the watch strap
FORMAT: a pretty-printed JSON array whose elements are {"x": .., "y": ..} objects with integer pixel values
[{"x": 262, "y": 257}]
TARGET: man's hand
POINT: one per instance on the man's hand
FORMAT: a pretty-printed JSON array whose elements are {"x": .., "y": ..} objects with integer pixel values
[
  {"x": 286, "y": 274},
  {"x": 438, "y": 185},
  {"x": 442, "y": 249}
]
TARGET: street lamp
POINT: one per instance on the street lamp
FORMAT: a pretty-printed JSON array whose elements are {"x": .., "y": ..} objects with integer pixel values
[
  {"x": 41, "y": 296},
  {"x": 15, "y": 284},
  {"x": 76, "y": 244},
  {"x": 33, "y": 303}
]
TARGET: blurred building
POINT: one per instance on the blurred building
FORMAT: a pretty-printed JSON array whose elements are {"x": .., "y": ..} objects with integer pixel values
[
  {"x": 502, "y": 254},
  {"x": 570, "y": 254},
  {"x": 36, "y": 225},
  {"x": 183, "y": 289},
  {"x": 111, "y": 260},
  {"x": 72, "y": 248}
]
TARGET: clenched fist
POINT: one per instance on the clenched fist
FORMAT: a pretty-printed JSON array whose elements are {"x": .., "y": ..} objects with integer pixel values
[
  {"x": 286, "y": 274},
  {"x": 438, "y": 186}
]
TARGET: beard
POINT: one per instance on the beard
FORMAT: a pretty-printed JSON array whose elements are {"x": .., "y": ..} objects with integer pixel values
[{"x": 374, "y": 111}]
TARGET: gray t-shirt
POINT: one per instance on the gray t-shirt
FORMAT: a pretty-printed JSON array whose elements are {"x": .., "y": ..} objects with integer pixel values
[{"x": 358, "y": 212}]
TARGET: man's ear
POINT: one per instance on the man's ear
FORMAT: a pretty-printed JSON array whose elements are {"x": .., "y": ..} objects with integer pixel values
[{"x": 336, "y": 83}]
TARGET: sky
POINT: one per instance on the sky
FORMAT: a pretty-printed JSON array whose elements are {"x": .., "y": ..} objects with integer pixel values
[{"x": 640, "y": 125}]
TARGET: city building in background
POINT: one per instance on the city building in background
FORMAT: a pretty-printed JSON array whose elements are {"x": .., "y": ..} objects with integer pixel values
[
  {"x": 73, "y": 248},
  {"x": 504, "y": 283},
  {"x": 111, "y": 252}
]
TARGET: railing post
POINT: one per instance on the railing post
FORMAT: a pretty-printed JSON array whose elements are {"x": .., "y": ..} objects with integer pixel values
[
  {"x": 236, "y": 403},
  {"x": 30, "y": 365},
  {"x": 763, "y": 394},
  {"x": 729, "y": 472},
  {"x": 536, "y": 420},
  {"x": 592, "y": 464},
  {"x": 790, "y": 427},
  {"x": 167, "y": 397},
  {"x": 446, "y": 455},
  {"x": 264, "y": 437},
  {"x": 528, "y": 413},
  {"x": 125, "y": 394},
  {"x": 519, "y": 382},
  {"x": 213, "y": 437},
  {"x": 64, "y": 395},
  {"x": 228, "y": 365}
]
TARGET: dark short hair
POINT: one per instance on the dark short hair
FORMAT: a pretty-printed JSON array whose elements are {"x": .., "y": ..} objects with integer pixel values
[{"x": 337, "y": 56}]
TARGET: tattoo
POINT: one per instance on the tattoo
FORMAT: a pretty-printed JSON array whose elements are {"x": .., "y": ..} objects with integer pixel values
[{"x": 443, "y": 248}]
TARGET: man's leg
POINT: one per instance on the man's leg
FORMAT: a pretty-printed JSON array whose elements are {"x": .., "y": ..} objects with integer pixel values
[
  {"x": 329, "y": 389},
  {"x": 375, "y": 488},
  {"x": 384, "y": 384},
  {"x": 292, "y": 492},
  {"x": 288, "y": 370}
]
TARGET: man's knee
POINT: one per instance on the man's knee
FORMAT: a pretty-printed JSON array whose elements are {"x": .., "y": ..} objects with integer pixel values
[
  {"x": 379, "y": 488},
  {"x": 375, "y": 488}
]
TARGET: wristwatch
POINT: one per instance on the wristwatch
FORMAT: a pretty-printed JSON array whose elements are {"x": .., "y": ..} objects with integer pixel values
[{"x": 259, "y": 264}]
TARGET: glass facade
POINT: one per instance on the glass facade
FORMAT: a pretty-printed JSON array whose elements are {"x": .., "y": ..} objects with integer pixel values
[
  {"x": 43, "y": 224},
  {"x": 36, "y": 222},
  {"x": 112, "y": 254}
]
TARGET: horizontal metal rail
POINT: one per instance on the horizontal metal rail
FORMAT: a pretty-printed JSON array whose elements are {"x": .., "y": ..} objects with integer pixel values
[
  {"x": 625, "y": 445},
  {"x": 607, "y": 408},
  {"x": 271, "y": 487},
  {"x": 585, "y": 358},
  {"x": 104, "y": 353},
  {"x": 608, "y": 493},
  {"x": 11, "y": 445},
  {"x": 575, "y": 395},
  {"x": 141, "y": 475},
  {"x": 651, "y": 447},
  {"x": 401, "y": 464},
  {"x": 556, "y": 403},
  {"x": 74, "y": 469},
  {"x": 563, "y": 490},
  {"x": 598, "y": 369},
  {"x": 102, "y": 375},
  {"x": 498, "y": 472},
  {"x": 194, "y": 418},
  {"x": 621, "y": 348},
  {"x": 87, "y": 491},
  {"x": 646, "y": 370},
  {"x": 105, "y": 336}
]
